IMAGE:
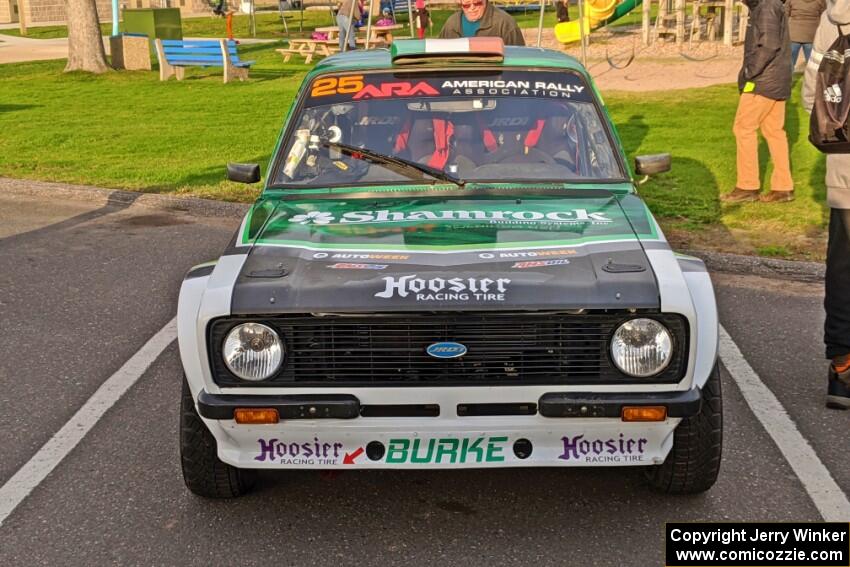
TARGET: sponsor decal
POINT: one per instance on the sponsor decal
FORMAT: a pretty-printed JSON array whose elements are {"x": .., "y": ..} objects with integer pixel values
[
  {"x": 513, "y": 88},
  {"x": 447, "y": 450},
  {"x": 529, "y": 254},
  {"x": 540, "y": 263},
  {"x": 538, "y": 253},
  {"x": 564, "y": 217},
  {"x": 508, "y": 121},
  {"x": 350, "y": 256},
  {"x": 396, "y": 89},
  {"x": 325, "y": 90},
  {"x": 446, "y": 350},
  {"x": 326, "y": 86},
  {"x": 349, "y": 266},
  {"x": 285, "y": 452},
  {"x": 379, "y": 120},
  {"x": 445, "y": 289},
  {"x": 612, "y": 450}
]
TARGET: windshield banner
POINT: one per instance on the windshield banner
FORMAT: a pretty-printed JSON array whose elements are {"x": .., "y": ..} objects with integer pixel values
[{"x": 390, "y": 86}]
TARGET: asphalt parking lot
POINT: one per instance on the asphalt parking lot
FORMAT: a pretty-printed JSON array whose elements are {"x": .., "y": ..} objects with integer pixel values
[{"x": 83, "y": 286}]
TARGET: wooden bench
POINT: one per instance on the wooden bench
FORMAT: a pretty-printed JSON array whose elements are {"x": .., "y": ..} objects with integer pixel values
[{"x": 175, "y": 55}]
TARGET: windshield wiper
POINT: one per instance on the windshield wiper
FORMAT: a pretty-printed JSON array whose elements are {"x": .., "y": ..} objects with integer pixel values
[{"x": 405, "y": 167}]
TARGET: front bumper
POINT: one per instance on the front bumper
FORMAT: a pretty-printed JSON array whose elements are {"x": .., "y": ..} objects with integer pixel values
[
  {"x": 562, "y": 429},
  {"x": 553, "y": 405}
]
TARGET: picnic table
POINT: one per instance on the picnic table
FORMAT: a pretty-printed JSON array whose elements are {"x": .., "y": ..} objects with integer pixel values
[
  {"x": 384, "y": 33},
  {"x": 380, "y": 34},
  {"x": 307, "y": 48},
  {"x": 331, "y": 31}
]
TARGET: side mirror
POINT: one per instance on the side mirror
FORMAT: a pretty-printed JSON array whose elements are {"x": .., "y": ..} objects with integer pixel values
[
  {"x": 243, "y": 172},
  {"x": 651, "y": 164}
]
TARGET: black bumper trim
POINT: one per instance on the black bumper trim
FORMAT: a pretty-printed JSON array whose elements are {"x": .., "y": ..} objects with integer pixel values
[
  {"x": 587, "y": 404},
  {"x": 321, "y": 406}
]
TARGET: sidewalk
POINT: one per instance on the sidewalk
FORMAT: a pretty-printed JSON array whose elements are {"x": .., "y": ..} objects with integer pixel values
[{"x": 14, "y": 49}]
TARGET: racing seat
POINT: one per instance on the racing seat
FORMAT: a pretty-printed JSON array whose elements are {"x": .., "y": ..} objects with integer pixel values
[
  {"x": 376, "y": 129},
  {"x": 470, "y": 147},
  {"x": 429, "y": 140},
  {"x": 559, "y": 137}
]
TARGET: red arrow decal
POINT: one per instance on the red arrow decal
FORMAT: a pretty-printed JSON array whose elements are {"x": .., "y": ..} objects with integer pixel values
[{"x": 349, "y": 457}]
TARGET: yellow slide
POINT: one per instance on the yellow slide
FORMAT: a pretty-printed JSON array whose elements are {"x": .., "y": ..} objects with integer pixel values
[{"x": 596, "y": 12}]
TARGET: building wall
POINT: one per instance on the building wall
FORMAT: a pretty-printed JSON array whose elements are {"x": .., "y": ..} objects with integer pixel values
[
  {"x": 39, "y": 11},
  {"x": 8, "y": 11}
]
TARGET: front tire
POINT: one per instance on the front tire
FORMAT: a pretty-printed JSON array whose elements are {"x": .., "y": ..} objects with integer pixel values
[
  {"x": 694, "y": 461},
  {"x": 203, "y": 472}
]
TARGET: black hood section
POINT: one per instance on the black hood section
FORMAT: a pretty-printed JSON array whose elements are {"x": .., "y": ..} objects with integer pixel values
[
  {"x": 445, "y": 254},
  {"x": 280, "y": 280}
]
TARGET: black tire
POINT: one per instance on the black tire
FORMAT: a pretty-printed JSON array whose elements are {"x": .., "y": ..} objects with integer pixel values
[
  {"x": 203, "y": 472},
  {"x": 694, "y": 461}
]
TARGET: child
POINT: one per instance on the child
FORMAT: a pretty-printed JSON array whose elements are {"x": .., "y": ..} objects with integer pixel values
[
  {"x": 386, "y": 18},
  {"x": 421, "y": 19}
]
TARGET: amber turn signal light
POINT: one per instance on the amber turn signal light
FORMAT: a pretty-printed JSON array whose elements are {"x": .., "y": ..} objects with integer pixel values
[
  {"x": 644, "y": 413},
  {"x": 256, "y": 415}
]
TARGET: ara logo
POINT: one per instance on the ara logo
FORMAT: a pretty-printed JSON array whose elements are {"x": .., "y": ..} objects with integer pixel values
[
  {"x": 446, "y": 350},
  {"x": 400, "y": 89}
]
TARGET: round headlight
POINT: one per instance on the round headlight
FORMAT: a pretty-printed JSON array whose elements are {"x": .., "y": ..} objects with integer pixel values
[
  {"x": 252, "y": 351},
  {"x": 642, "y": 347}
]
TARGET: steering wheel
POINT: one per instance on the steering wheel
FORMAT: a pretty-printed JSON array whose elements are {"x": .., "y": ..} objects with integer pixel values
[{"x": 531, "y": 155}]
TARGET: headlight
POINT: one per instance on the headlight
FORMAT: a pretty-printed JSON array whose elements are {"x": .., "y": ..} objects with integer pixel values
[
  {"x": 253, "y": 351},
  {"x": 642, "y": 347}
]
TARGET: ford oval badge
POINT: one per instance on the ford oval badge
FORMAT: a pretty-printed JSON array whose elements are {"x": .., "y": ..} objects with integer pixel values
[{"x": 446, "y": 350}]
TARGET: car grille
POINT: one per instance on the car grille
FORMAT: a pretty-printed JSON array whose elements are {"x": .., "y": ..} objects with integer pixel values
[{"x": 502, "y": 350}]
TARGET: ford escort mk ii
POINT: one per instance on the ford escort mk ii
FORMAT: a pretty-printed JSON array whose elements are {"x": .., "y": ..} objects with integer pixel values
[{"x": 449, "y": 266}]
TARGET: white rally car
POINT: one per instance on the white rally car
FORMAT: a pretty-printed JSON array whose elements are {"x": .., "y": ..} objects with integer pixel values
[{"x": 449, "y": 267}]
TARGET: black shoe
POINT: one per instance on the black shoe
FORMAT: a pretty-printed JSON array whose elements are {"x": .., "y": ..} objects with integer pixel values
[{"x": 837, "y": 393}]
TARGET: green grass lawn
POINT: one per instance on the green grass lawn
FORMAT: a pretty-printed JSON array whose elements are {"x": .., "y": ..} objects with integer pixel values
[{"x": 129, "y": 130}]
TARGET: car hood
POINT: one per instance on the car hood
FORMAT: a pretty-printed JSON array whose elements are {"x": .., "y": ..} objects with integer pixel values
[{"x": 411, "y": 253}]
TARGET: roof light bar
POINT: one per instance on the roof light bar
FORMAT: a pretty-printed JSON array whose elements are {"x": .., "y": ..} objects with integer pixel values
[{"x": 473, "y": 49}]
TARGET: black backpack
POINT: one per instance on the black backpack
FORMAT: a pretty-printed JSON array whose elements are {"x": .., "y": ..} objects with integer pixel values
[{"x": 829, "y": 130}]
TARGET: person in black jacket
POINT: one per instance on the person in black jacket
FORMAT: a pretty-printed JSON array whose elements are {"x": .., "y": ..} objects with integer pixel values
[{"x": 765, "y": 85}]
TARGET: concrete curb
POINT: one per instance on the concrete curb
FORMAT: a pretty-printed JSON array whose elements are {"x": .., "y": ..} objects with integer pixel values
[
  {"x": 716, "y": 261},
  {"x": 190, "y": 205},
  {"x": 758, "y": 266}
]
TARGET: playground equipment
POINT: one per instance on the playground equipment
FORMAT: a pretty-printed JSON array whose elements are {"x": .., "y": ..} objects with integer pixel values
[
  {"x": 712, "y": 16},
  {"x": 596, "y": 13}
]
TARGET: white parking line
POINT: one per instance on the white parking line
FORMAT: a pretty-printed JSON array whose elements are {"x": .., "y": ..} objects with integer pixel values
[
  {"x": 828, "y": 497},
  {"x": 63, "y": 442}
]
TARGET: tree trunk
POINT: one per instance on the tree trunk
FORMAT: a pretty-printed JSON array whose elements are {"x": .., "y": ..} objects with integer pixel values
[{"x": 85, "y": 46}]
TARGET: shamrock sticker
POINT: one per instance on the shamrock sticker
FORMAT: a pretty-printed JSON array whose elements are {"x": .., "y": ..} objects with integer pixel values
[{"x": 315, "y": 217}]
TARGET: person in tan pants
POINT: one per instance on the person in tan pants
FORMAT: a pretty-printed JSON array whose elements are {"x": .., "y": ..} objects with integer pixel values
[
  {"x": 765, "y": 85},
  {"x": 758, "y": 112}
]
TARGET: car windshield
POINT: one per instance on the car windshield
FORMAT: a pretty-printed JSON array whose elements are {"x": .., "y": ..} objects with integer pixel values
[{"x": 477, "y": 126}]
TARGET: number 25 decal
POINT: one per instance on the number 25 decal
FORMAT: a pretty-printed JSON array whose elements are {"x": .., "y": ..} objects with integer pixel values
[{"x": 337, "y": 85}]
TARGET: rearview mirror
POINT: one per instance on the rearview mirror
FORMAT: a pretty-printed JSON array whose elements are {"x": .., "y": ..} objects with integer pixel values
[
  {"x": 243, "y": 172},
  {"x": 651, "y": 164}
]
